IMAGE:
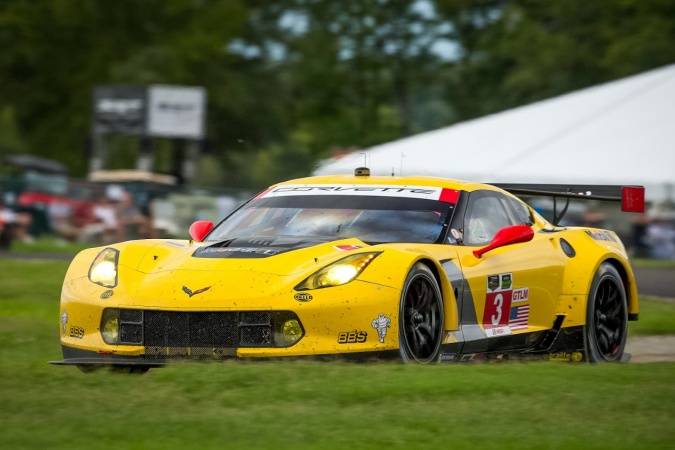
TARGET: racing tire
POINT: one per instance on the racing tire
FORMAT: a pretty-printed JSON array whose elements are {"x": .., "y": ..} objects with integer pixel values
[
  {"x": 421, "y": 317},
  {"x": 606, "y": 316}
]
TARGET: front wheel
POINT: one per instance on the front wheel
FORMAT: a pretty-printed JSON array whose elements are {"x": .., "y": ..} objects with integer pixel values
[
  {"x": 606, "y": 316},
  {"x": 420, "y": 317}
]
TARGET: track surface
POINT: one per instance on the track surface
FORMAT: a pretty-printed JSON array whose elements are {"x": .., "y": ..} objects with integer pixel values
[{"x": 655, "y": 281}]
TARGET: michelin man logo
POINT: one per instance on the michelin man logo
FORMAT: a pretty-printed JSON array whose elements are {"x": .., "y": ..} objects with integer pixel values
[
  {"x": 64, "y": 321},
  {"x": 381, "y": 324}
]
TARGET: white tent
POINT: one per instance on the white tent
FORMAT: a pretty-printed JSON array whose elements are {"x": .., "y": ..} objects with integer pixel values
[{"x": 621, "y": 132}]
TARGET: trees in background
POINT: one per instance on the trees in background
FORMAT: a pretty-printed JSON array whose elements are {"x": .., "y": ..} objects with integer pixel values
[{"x": 289, "y": 81}]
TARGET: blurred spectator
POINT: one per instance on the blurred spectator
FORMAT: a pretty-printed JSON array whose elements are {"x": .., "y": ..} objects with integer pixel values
[
  {"x": 59, "y": 216},
  {"x": 133, "y": 222},
  {"x": 105, "y": 212},
  {"x": 661, "y": 238},
  {"x": 13, "y": 225},
  {"x": 639, "y": 244},
  {"x": 594, "y": 219},
  {"x": 163, "y": 218}
]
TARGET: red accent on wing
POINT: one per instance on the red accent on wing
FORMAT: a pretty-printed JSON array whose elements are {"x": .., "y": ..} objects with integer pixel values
[
  {"x": 449, "y": 195},
  {"x": 633, "y": 199}
]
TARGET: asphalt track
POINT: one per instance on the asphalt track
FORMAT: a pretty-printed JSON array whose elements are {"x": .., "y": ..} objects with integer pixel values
[{"x": 655, "y": 281}]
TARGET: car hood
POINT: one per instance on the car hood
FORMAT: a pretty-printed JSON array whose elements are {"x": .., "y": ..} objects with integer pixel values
[
  {"x": 181, "y": 274},
  {"x": 276, "y": 255},
  {"x": 247, "y": 248}
]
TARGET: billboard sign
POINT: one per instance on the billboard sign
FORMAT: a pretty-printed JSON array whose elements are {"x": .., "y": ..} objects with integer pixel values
[
  {"x": 176, "y": 111},
  {"x": 119, "y": 109}
]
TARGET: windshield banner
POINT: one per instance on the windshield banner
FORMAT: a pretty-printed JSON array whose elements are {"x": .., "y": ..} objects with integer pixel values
[{"x": 422, "y": 192}]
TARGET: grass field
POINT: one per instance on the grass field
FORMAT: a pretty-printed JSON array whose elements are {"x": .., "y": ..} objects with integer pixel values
[{"x": 300, "y": 405}]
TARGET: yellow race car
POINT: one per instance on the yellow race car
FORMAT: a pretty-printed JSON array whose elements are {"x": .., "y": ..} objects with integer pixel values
[{"x": 422, "y": 269}]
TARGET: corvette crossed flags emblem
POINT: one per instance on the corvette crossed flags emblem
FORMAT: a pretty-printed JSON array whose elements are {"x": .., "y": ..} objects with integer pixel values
[{"x": 198, "y": 291}]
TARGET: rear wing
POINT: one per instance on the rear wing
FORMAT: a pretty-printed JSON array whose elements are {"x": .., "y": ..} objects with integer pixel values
[{"x": 632, "y": 198}]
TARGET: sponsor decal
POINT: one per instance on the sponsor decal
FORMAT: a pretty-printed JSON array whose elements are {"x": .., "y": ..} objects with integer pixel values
[
  {"x": 64, "y": 321},
  {"x": 303, "y": 297},
  {"x": 256, "y": 250},
  {"x": 347, "y": 248},
  {"x": 601, "y": 235},
  {"x": 175, "y": 244},
  {"x": 493, "y": 282},
  {"x": 471, "y": 357},
  {"x": 107, "y": 294},
  {"x": 498, "y": 300},
  {"x": 352, "y": 337},
  {"x": 506, "y": 281},
  {"x": 519, "y": 316},
  {"x": 520, "y": 295},
  {"x": 447, "y": 357},
  {"x": 381, "y": 324},
  {"x": 497, "y": 331},
  {"x": 423, "y": 192},
  {"x": 76, "y": 332},
  {"x": 565, "y": 356},
  {"x": 455, "y": 233},
  {"x": 198, "y": 291}
]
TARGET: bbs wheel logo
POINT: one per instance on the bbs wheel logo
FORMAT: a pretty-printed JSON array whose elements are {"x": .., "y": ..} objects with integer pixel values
[{"x": 352, "y": 337}]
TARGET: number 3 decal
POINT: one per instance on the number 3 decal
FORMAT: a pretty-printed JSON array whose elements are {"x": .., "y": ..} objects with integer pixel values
[
  {"x": 497, "y": 308},
  {"x": 498, "y": 302}
]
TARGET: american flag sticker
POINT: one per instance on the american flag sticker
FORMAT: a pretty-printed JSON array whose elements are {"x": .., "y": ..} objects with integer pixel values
[{"x": 519, "y": 316}]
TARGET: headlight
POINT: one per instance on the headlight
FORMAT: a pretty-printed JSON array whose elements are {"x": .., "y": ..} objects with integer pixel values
[
  {"x": 287, "y": 328},
  {"x": 291, "y": 331},
  {"x": 110, "y": 325},
  {"x": 103, "y": 270},
  {"x": 340, "y": 272}
]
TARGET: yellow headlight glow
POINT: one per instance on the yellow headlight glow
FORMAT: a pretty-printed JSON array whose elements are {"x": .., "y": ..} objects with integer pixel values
[
  {"x": 291, "y": 330},
  {"x": 340, "y": 272},
  {"x": 103, "y": 270},
  {"x": 104, "y": 273},
  {"x": 110, "y": 326},
  {"x": 338, "y": 275}
]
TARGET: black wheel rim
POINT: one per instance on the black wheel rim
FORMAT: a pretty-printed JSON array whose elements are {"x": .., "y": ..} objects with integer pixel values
[
  {"x": 421, "y": 319},
  {"x": 610, "y": 319}
]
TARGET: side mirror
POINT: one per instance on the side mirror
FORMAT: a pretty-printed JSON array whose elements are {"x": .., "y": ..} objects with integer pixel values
[
  {"x": 507, "y": 236},
  {"x": 200, "y": 229}
]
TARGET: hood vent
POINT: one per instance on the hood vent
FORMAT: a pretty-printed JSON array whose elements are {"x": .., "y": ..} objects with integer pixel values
[{"x": 246, "y": 248}]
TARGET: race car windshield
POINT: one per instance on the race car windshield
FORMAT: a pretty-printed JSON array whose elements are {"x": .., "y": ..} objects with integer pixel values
[{"x": 370, "y": 219}]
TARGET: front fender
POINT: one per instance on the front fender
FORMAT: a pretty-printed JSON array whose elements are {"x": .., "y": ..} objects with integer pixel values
[{"x": 392, "y": 267}]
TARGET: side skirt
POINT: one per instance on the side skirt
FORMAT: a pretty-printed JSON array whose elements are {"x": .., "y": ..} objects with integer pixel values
[{"x": 563, "y": 344}]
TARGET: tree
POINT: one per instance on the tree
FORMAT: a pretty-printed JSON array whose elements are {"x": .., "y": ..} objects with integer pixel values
[{"x": 520, "y": 51}]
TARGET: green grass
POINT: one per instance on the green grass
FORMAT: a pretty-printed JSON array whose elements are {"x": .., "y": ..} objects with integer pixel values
[
  {"x": 657, "y": 317},
  {"x": 48, "y": 245},
  {"x": 302, "y": 405},
  {"x": 657, "y": 263}
]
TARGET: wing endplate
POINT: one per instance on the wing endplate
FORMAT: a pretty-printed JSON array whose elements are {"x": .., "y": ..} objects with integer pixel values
[{"x": 632, "y": 198}]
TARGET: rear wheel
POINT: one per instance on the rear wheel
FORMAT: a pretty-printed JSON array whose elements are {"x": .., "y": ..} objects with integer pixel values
[
  {"x": 420, "y": 317},
  {"x": 606, "y": 316}
]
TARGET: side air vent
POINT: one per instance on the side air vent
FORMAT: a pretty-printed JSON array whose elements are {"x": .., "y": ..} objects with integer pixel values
[{"x": 567, "y": 248}]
